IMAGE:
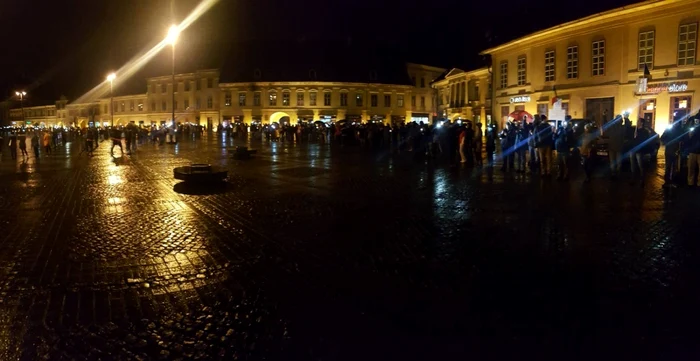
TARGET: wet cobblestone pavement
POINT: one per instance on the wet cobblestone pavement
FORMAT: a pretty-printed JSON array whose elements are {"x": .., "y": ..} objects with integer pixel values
[{"x": 319, "y": 253}]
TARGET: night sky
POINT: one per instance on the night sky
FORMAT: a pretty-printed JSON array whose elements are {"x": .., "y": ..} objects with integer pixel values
[{"x": 54, "y": 48}]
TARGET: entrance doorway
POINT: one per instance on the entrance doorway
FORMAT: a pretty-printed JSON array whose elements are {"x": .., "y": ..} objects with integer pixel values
[
  {"x": 647, "y": 111},
  {"x": 599, "y": 110}
]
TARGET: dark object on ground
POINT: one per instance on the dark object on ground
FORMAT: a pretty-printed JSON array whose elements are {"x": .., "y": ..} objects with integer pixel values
[
  {"x": 243, "y": 153},
  {"x": 200, "y": 173}
]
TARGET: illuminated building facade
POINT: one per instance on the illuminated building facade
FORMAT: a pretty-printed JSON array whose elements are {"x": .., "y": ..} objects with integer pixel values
[
  {"x": 201, "y": 98},
  {"x": 595, "y": 65},
  {"x": 464, "y": 95}
]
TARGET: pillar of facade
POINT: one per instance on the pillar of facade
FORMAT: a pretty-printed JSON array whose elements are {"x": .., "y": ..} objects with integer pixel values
[
  {"x": 483, "y": 115},
  {"x": 409, "y": 115},
  {"x": 317, "y": 114},
  {"x": 365, "y": 117},
  {"x": 293, "y": 117},
  {"x": 340, "y": 115},
  {"x": 248, "y": 116}
]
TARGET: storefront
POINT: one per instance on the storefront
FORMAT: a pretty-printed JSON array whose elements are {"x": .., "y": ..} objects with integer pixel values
[
  {"x": 681, "y": 107},
  {"x": 664, "y": 102}
]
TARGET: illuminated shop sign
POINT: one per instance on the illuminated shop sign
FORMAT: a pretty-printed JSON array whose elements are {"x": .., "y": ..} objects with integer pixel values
[
  {"x": 520, "y": 99},
  {"x": 670, "y": 87}
]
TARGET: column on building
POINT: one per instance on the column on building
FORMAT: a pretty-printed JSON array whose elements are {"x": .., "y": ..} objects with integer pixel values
[
  {"x": 317, "y": 114},
  {"x": 293, "y": 117},
  {"x": 409, "y": 115},
  {"x": 248, "y": 116},
  {"x": 340, "y": 115},
  {"x": 365, "y": 116}
]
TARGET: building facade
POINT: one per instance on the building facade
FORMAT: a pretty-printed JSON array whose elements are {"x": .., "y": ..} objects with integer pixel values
[
  {"x": 200, "y": 98},
  {"x": 464, "y": 95},
  {"x": 596, "y": 65}
]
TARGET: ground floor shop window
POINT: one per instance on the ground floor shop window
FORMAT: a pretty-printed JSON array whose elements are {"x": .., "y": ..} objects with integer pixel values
[
  {"x": 505, "y": 111},
  {"x": 680, "y": 108},
  {"x": 542, "y": 108}
]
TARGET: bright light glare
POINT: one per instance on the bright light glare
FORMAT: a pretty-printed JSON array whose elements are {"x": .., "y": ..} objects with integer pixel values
[
  {"x": 22, "y": 93},
  {"x": 111, "y": 77},
  {"x": 137, "y": 62},
  {"x": 173, "y": 34},
  {"x": 669, "y": 127}
]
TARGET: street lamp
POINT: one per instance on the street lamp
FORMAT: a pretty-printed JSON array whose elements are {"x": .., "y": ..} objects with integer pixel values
[
  {"x": 171, "y": 39},
  {"x": 21, "y": 95},
  {"x": 111, "y": 78}
]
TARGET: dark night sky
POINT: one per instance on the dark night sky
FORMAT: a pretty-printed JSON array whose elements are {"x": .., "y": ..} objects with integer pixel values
[{"x": 54, "y": 48}]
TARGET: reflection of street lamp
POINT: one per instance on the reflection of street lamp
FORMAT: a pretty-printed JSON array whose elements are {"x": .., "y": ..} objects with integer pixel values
[
  {"x": 21, "y": 95},
  {"x": 171, "y": 39},
  {"x": 111, "y": 78}
]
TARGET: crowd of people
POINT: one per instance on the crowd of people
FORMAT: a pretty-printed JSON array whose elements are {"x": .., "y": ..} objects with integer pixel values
[{"x": 533, "y": 145}]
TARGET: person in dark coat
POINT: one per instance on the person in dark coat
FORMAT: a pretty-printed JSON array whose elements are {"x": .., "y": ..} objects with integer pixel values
[
  {"x": 640, "y": 147},
  {"x": 13, "y": 145},
  {"x": 507, "y": 136},
  {"x": 692, "y": 146},
  {"x": 615, "y": 132},
  {"x": 671, "y": 138},
  {"x": 562, "y": 144},
  {"x": 490, "y": 143},
  {"x": 544, "y": 144}
]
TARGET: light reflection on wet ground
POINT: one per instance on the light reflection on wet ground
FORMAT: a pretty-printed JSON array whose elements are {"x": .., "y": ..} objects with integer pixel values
[{"x": 313, "y": 249}]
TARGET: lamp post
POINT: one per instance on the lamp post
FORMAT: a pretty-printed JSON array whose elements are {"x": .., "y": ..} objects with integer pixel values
[
  {"x": 171, "y": 39},
  {"x": 111, "y": 78},
  {"x": 21, "y": 95}
]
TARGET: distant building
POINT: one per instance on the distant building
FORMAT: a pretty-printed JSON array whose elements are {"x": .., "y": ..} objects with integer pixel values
[
  {"x": 597, "y": 65},
  {"x": 394, "y": 95},
  {"x": 464, "y": 95}
]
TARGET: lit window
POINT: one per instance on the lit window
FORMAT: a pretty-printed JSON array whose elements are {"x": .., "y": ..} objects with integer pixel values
[
  {"x": 327, "y": 99},
  {"x": 373, "y": 99},
  {"x": 549, "y": 67},
  {"x": 646, "y": 50},
  {"x": 343, "y": 99},
  {"x": 285, "y": 99},
  {"x": 522, "y": 70},
  {"x": 241, "y": 99},
  {"x": 312, "y": 99},
  {"x": 210, "y": 102},
  {"x": 227, "y": 99},
  {"x": 141, "y": 106},
  {"x": 687, "y": 41},
  {"x": 358, "y": 100},
  {"x": 572, "y": 62},
  {"x": 598, "y": 57},
  {"x": 387, "y": 100},
  {"x": 504, "y": 75},
  {"x": 300, "y": 99},
  {"x": 256, "y": 99},
  {"x": 131, "y": 105},
  {"x": 273, "y": 98},
  {"x": 399, "y": 101}
]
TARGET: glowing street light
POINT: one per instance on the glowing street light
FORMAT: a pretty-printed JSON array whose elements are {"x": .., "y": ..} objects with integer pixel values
[
  {"x": 173, "y": 34},
  {"x": 21, "y": 94},
  {"x": 111, "y": 78}
]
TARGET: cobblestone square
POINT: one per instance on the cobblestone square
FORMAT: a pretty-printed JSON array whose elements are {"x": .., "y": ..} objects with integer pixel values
[{"x": 319, "y": 252}]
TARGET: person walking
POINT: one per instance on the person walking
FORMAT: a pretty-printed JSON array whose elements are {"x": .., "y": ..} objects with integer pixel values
[
  {"x": 478, "y": 144},
  {"x": 462, "y": 145},
  {"x": 22, "y": 141},
  {"x": 615, "y": 133},
  {"x": 46, "y": 141},
  {"x": 587, "y": 151},
  {"x": 692, "y": 146},
  {"x": 562, "y": 144},
  {"x": 543, "y": 134},
  {"x": 508, "y": 147},
  {"x": 671, "y": 139},
  {"x": 13, "y": 145},
  {"x": 116, "y": 136},
  {"x": 490, "y": 144},
  {"x": 639, "y": 149},
  {"x": 35, "y": 145},
  {"x": 89, "y": 141},
  {"x": 521, "y": 138}
]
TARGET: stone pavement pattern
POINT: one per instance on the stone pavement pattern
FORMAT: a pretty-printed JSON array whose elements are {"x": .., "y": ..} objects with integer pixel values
[{"x": 319, "y": 253}]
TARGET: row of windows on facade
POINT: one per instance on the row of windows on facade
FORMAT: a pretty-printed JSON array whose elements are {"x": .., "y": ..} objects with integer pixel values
[
  {"x": 286, "y": 98},
  {"x": 458, "y": 92},
  {"x": 422, "y": 82},
  {"x": 164, "y": 86},
  {"x": 687, "y": 40}
]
